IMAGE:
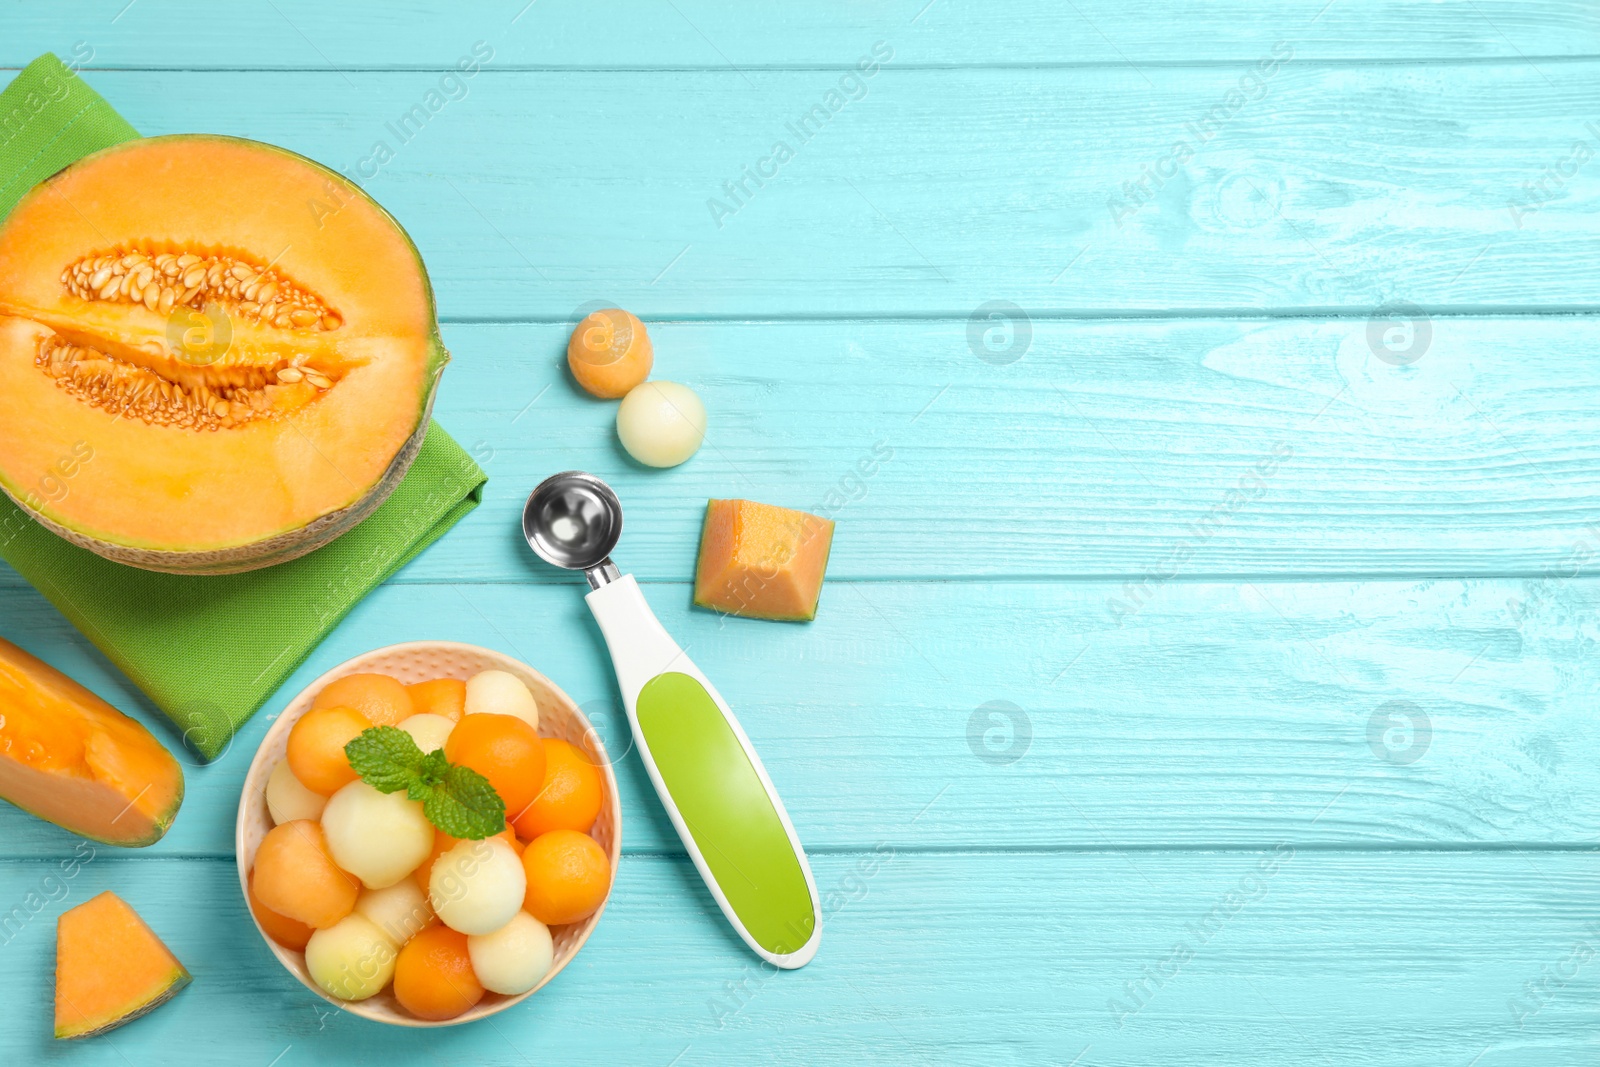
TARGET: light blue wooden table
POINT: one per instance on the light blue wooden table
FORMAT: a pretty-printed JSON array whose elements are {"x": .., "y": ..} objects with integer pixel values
[{"x": 1209, "y": 675}]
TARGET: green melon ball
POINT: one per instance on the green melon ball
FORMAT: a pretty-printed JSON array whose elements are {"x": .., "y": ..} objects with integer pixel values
[
  {"x": 514, "y": 958},
  {"x": 399, "y": 910},
  {"x": 477, "y": 886},
  {"x": 378, "y": 837},
  {"x": 352, "y": 959},
  {"x": 661, "y": 424},
  {"x": 428, "y": 730},
  {"x": 288, "y": 799},
  {"x": 501, "y": 693}
]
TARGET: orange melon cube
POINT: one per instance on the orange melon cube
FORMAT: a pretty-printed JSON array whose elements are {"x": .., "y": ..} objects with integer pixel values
[{"x": 761, "y": 561}]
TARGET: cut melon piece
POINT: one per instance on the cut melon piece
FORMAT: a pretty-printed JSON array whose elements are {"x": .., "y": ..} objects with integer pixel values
[
  {"x": 762, "y": 561},
  {"x": 70, "y": 758},
  {"x": 110, "y": 968},
  {"x": 214, "y": 354}
]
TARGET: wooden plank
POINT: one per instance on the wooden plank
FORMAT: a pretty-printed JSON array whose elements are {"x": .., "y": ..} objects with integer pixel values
[
  {"x": 1120, "y": 449},
  {"x": 629, "y": 196},
  {"x": 717, "y": 34},
  {"x": 1293, "y": 956},
  {"x": 1441, "y": 713}
]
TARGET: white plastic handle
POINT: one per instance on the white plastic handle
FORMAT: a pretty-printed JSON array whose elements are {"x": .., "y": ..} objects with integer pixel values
[{"x": 701, "y": 766}]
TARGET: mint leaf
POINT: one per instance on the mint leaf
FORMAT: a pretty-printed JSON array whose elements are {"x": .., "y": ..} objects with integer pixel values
[
  {"x": 458, "y": 800},
  {"x": 434, "y": 766},
  {"x": 465, "y": 805},
  {"x": 386, "y": 758}
]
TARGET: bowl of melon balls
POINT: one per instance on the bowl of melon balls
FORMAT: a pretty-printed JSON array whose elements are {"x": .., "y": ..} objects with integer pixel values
[{"x": 427, "y": 834}]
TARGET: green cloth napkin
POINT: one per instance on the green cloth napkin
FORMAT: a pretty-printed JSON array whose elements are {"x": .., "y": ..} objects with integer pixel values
[{"x": 208, "y": 650}]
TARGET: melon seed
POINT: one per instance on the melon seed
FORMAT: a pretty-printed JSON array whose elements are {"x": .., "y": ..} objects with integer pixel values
[
  {"x": 290, "y": 374},
  {"x": 197, "y": 280},
  {"x": 135, "y": 391}
]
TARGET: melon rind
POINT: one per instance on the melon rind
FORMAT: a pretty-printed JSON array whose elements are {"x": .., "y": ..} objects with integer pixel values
[{"x": 180, "y": 977}]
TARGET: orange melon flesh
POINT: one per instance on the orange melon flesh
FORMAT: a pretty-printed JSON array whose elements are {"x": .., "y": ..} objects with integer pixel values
[
  {"x": 762, "y": 561},
  {"x": 110, "y": 968},
  {"x": 72, "y": 759},
  {"x": 96, "y": 445}
]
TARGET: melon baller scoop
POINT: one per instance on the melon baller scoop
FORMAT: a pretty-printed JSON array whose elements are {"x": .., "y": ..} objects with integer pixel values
[{"x": 708, "y": 776}]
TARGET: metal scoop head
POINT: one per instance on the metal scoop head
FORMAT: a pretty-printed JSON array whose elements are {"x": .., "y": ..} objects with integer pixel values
[{"x": 573, "y": 520}]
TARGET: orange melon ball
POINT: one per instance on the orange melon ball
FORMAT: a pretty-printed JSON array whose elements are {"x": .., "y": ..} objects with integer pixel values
[
  {"x": 382, "y": 699},
  {"x": 572, "y": 794},
  {"x": 441, "y": 696},
  {"x": 290, "y": 933},
  {"x": 433, "y": 978},
  {"x": 609, "y": 353},
  {"x": 296, "y": 877},
  {"x": 316, "y": 748},
  {"x": 505, "y": 750},
  {"x": 568, "y": 877},
  {"x": 442, "y": 843}
]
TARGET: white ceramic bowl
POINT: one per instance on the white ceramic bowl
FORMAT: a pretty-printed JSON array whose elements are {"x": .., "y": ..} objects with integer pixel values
[{"x": 418, "y": 661}]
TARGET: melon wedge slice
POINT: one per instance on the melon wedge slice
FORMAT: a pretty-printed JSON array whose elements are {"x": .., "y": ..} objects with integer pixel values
[
  {"x": 762, "y": 561},
  {"x": 70, "y": 758},
  {"x": 110, "y": 968}
]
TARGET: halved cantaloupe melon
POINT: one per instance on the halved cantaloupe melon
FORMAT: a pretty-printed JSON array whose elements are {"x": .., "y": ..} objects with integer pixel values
[
  {"x": 69, "y": 757},
  {"x": 214, "y": 354},
  {"x": 762, "y": 561},
  {"x": 110, "y": 968}
]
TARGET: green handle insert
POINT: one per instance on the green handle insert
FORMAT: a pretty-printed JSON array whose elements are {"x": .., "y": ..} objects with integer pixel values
[{"x": 728, "y": 811}]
